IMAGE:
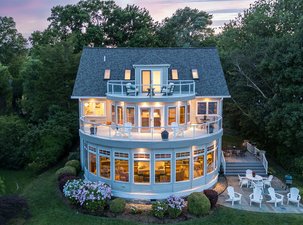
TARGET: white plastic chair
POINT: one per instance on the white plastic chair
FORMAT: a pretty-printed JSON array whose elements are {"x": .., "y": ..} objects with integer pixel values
[
  {"x": 275, "y": 197},
  {"x": 293, "y": 196},
  {"x": 233, "y": 196},
  {"x": 257, "y": 184},
  {"x": 243, "y": 181},
  {"x": 248, "y": 172},
  {"x": 267, "y": 181},
  {"x": 256, "y": 196},
  {"x": 169, "y": 89},
  {"x": 131, "y": 89},
  {"x": 177, "y": 129},
  {"x": 127, "y": 128}
]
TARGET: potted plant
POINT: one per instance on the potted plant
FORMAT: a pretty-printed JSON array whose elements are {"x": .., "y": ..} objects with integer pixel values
[{"x": 164, "y": 135}]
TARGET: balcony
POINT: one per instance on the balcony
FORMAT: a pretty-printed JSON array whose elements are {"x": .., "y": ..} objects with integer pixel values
[
  {"x": 136, "y": 133},
  {"x": 174, "y": 90}
]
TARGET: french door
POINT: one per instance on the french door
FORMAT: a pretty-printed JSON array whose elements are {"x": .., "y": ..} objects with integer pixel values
[
  {"x": 151, "y": 118},
  {"x": 151, "y": 79}
]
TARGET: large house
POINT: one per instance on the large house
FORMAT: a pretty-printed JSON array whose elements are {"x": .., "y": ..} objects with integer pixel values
[{"x": 151, "y": 119}]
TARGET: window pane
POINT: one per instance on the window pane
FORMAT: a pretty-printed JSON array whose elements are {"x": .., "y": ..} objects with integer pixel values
[
  {"x": 141, "y": 171},
  {"x": 127, "y": 75},
  {"x": 198, "y": 166},
  {"x": 182, "y": 169},
  {"x": 120, "y": 114},
  {"x": 182, "y": 114},
  {"x": 145, "y": 80},
  {"x": 105, "y": 166},
  {"x": 121, "y": 170},
  {"x": 162, "y": 171},
  {"x": 171, "y": 115},
  {"x": 212, "y": 108},
  {"x": 174, "y": 74},
  {"x": 107, "y": 74},
  {"x": 210, "y": 161},
  {"x": 92, "y": 163},
  {"x": 195, "y": 74},
  {"x": 94, "y": 109},
  {"x": 113, "y": 114},
  {"x": 201, "y": 108},
  {"x": 156, "y": 81},
  {"x": 130, "y": 115}
]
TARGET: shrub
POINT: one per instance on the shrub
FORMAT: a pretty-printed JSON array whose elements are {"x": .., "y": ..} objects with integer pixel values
[
  {"x": 2, "y": 187},
  {"x": 64, "y": 178},
  {"x": 135, "y": 210},
  {"x": 74, "y": 163},
  {"x": 159, "y": 209},
  {"x": 212, "y": 196},
  {"x": 74, "y": 156},
  {"x": 198, "y": 204},
  {"x": 117, "y": 205},
  {"x": 89, "y": 195},
  {"x": 175, "y": 206},
  {"x": 66, "y": 170},
  {"x": 13, "y": 207}
]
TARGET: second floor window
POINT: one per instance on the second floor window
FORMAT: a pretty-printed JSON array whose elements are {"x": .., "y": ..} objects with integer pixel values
[{"x": 94, "y": 109}]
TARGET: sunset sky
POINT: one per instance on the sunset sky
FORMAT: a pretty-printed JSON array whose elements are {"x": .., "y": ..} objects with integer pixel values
[{"x": 31, "y": 15}]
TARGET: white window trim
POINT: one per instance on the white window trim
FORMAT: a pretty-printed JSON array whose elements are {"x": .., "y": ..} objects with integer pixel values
[
  {"x": 197, "y": 103},
  {"x": 110, "y": 163},
  {"x": 171, "y": 165},
  {"x": 114, "y": 168},
  {"x": 167, "y": 115},
  {"x": 193, "y": 161},
  {"x": 189, "y": 164},
  {"x": 83, "y": 105},
  {"x": 145, "y": 160}
]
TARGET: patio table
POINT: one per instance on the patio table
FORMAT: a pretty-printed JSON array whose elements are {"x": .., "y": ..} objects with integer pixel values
[{"x": 255, "y": 178}]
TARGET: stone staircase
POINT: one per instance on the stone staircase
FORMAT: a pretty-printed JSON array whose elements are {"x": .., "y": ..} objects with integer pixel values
[{"x": 235, "y": 168}]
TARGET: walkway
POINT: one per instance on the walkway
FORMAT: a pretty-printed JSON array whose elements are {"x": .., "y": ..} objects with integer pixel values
[{"x": 278, "y": 185}]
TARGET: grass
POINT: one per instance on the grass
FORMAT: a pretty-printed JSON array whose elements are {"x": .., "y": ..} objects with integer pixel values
[{"x": 47, "y": 208}]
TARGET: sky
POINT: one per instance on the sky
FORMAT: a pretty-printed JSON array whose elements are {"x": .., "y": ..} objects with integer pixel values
[{"x": 31, "y": 15}]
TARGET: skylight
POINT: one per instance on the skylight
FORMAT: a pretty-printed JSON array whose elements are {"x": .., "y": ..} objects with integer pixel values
[
  {"x": 127, "y": 75},
  {"x": 174, "y": 74},
  {"x": 107, "y": 74},
  {"x": 195, "y": 73}
]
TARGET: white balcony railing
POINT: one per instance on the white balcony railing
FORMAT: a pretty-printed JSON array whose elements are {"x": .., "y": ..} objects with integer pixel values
[
  {"x": 173, "y": 88},
  {"x": 139, "y": 133}
]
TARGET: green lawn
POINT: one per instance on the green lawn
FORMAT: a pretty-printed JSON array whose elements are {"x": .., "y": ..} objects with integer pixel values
[{"x": 47, "y": 207}]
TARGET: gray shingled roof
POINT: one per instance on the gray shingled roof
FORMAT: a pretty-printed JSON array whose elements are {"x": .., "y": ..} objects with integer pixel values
[{"x": 90, "y": 82}]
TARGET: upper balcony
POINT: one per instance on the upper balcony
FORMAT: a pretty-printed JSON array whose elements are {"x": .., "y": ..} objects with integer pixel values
[
  {"x": 126, "y": 132},
  {"x": 173, "y": 90}
]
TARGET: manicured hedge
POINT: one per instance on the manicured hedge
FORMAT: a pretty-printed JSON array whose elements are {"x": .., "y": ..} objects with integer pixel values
[
  {"x": 66, "y": 170},
  {"x": 74, "y": 163},
  {"x": 198, "y": 204},
  {"x": 117, "y": 205}
]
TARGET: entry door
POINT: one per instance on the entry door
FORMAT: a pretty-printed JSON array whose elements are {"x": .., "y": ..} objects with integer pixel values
[
  {"x": 151, "y": 79},
  {"x": 151, "y": 117}
]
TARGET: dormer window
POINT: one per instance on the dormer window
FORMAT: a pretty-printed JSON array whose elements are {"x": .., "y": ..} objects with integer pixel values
[
  {"x": 174, "y": 74},
  {"x": 195, "y": 74},
  {"x": 107, "y": 74},
  {"x": 127, "y": 75}
]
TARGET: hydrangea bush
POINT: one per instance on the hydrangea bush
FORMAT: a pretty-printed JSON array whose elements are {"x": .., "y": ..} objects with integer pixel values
[
  {"x": 175, "y": 206},
  {"x": 159, "y": 209},
  {"x": 89, "y": 195}
]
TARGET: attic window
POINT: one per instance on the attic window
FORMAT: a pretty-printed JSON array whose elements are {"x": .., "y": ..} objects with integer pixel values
[
  {"x": 107, "y": 74},
  {"x": 195, "y": 73},
  {"x": 127, "y": 75},
  {"x": 174, "y": 74}
]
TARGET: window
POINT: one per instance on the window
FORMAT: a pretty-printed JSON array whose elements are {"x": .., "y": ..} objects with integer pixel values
[
  {"x": 198, "y": 163},
  {"x": 113, "y": 114},
  {"x": 212, "y": 108},
  {"x": 162, "y": 168},
  {"x": 195, "y": 73},
  {"x": 172, "y": 111},
  {"x": 104, "y": 159},
  {"x": 174, "y": 74},
  {"x": 141, "y": 168},
  {"x": 107, "y": 74},
  {"x": 120, "y": 114},
  {"x": 210, "y": 160},
  {"x": 121, "y": 167},
  {"x": 127, "y": 75},
  {"x": 92, "y": 163},
  {"x": 188, "y": 113},
  {"x": 182, "y": 115},
  {"x": 201, "y": 108},
  {"x": 130, "y": 115},
  {"x": 94, "y": 109},
  {"x": 182, "y": 166}
]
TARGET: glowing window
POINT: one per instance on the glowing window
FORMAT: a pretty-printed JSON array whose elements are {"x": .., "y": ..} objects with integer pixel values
[
  {"x": 174, "y": 74},
  {"x": 141, "y": 168},
  {"x": 107, "y": 74},
  {"x": 162, "y": 171},
  {"x": 94, "y": 109},
  {"x": 182, "y": 115},
  {"x": 92, "y": 163},
  {"x": 172, "y": 117},
  {"x": 127, "y": 75},
  {"x": 195, "y": 73},
  {"x": 104, "y": 166}
]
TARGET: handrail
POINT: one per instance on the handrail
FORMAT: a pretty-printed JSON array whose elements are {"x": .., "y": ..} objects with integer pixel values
[
  {"x": 223, "y": 161},
  {"x": 150, "y": 133},
  {"x": 254, "y": 150}
]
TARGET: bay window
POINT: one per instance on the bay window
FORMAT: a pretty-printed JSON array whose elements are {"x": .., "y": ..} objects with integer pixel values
[
  {"x": 121, "y": 167},
  {"x": 141, "y": 168},
  {"x": 162, "y": 168},
  {"x": 104, "y": 159},
  {"x": 182, "y": 166}
]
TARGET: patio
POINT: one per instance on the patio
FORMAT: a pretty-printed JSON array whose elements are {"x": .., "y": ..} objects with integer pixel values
[{"x": 277, "y": 184}]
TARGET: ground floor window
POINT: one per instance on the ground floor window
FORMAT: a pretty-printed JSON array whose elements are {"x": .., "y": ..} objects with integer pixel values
[
  {"x": 121, "y": 167},
  {"x": 141, "y": 168},
  {"x": 104, "y": 160},
  {"x": 198, "y": 163},
  {"x": 210, "y": 161},
  {"x": 162, "y": 168},
  {"x": 182, "y": 166},
  {"x": 92, "y": 163}
]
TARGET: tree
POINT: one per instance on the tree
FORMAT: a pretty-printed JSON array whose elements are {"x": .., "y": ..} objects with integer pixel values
[
  {"x": 5, "y": 89},
  {"x": 186, "y": 28}
]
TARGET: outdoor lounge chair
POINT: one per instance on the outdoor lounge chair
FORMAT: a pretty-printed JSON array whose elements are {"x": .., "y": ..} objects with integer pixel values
[
  {"x": 267, "y": 181},
  {"x": 127, "y": 128},
  {"x": 177, "y": 129},
  {"x": 248, "y": 172},
  {"x": 293, "y": 196},
  {"x": 233, "y": 196},
  {"x": 131, "y": 89},
  {"x": 168, "y": 90},
  {"x": 256, "y": 196},
  {"x": 243, "y": 181},
  {"x": 275, "y": 197}
]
